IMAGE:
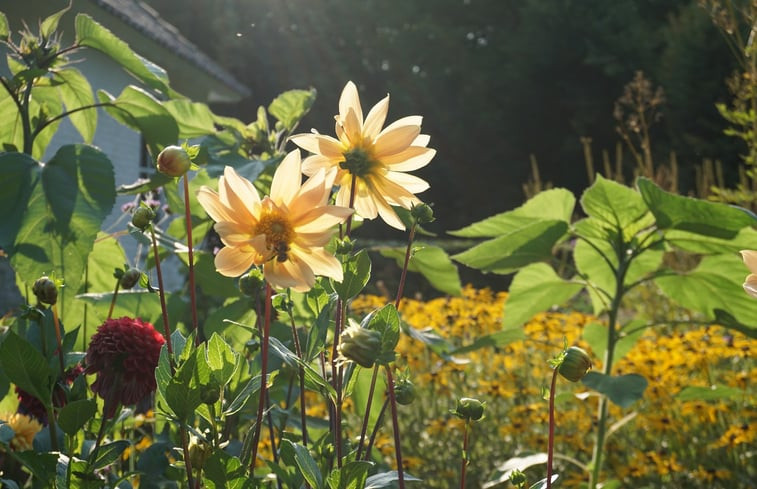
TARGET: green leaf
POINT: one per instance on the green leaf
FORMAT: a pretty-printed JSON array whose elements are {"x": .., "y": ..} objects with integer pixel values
[
  {"x": 622, "y": 390},
  {"x": 387, "y": 322},
  {"x": 595, "y": 335},
  {"x": 673, "y": 211},
  {"x": 142, "y": 112},
  {"x": 542, "y": 484},
  {"x": 305, "y": 462},
  {"x": 4, "y": 30},
  {"x": 433, "y": 263},
  {"x": 613, "y": 203},
  {"x": 698, "y": 243},
  {"x": 387, "y": 479},
  {"x": 351, "y": 476},
  {"x": 250, "y": 388},
  {"x": 91, "y": 34},
  {"x": 712, "y": 393},
  {"x": 26, "y": 367},
  {"x": 535, "y": 288},
  {"x": 291, "y": 106},
  {"x": 555, "y": 204},
  {"x": 155, "y": 180},
  {"x": 359, "y": 388},
  {"x": 714, "y": 289},
  {"x": 318, "y": 333},
  {"x": 182, "y": 393},
  {"x": 224, "y": 471},
  {"x": 41, "y": 465},
  {"x": 108, "y": 453},
  {"x": 194, "y": 119},
  {"x": 20, "y": 173},
  {"x": 222, "y": 360},
  {"x": 357, "y": 272},
  {"x": 48, "y": 26},
  {"x": 74, "y": 415},
  {"x": 133, "y": 303},
  {"x": 75, "y": 92},
  {"x": 493, "y": 340},
  {"x": 11, "y": 133}
]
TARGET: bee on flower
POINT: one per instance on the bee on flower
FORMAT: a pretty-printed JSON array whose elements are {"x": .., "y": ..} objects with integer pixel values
[{"x": 373, "y": 160}]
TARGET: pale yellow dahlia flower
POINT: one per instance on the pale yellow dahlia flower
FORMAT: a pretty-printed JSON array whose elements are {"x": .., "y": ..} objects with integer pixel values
[
  {"x": 750, "y": 259},
  {"x": 285, "y": 232},
  {"x": 25, "y": 428},
  {"x": 378, "y": 159}
]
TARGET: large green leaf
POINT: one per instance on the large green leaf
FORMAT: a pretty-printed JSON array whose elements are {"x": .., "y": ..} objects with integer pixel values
[
  {"x": 44, "y": 105},
  {"x": 387, "y": 322},
  {"x": 307, "y": 465},
  {"x": 613, "y": 203},
  {"x": 673, "y": 211},
  {"x": 222, "y": 360},
  {"x": 48, "y": 26},
  {"x": 535, "y": 288},
  {"x": 63, "y": 217},
  {"x": 4, "y": 31},
  {"x": 711, "y": 393},
  {"x": 224, "y": 471},
  {"x": 74, "y": 415},
  {"x": 508, "y": 253},
  {"x": 75, "y": 92},
  {"x": 25, "y": 366},
  {"x": 714, "y": 289},
  {"x": 92, "y": 34},
  {"x": 622, "y": 390},
  {"x": 699, "y": 243},
  {"x": 194, "y": 119},
  {"x": 357, "y": 272},
  {"x": 557, "y": 204},
  {"x": 20, "y": 172},
  {"x": 351, "y": 476},
  {"x": 11, "y": 133},
  {"x": 433, "y": 263},
  {"x": 291, "y": 106},
  {"x": 142, "y": 112}
]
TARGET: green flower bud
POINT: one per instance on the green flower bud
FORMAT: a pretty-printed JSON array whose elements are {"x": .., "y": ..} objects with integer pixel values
[
  {"x": 404, "y": 391},
  {"x": 199, "y": 451},
  {"x": 130, "y": 278},
  {"x": 575, "y": 363},
  {"x": 360, "y": 345},
  {"x": 422, "y": 213},
  {"x": 142, "y": 217},
  {"x": 344, "y": 246},
  {"x": 252, "y": 283},
  {"x": 518, "y": 478},
  {"x": 45, "y": 290},
  {"x": 469, "y": 409},
  {"x": 210, "y": 394},
  {"x": 173, "y": 161}
]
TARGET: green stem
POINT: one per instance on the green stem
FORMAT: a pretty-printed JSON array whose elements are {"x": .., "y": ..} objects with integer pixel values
[
  {"x": 396, "y": 427},
  {"x": 551, "y": 439},
  {"x": 401, "y": 287},
  {"x": 301, "y": 372},
  {"x": 23, "y": 109},
  {"x": 465, "y": 455},
  {"x": 113, "y": 300},
  {"x": 161, "y": 293},
  {"x": 192, "y": 294},
  {"x": 263, "y": 377}
]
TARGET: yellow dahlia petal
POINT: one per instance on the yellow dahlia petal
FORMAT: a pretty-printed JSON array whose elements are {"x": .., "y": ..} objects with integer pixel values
[
  {"x": 394, "y": 141},
  {"x": 411, "y": 120},
  {"x": 349, "y": 100},
  {"x": 375, "y": 119},
  {"x": 353, "y": 128},
  {"x": 313, "y": 163},
  {"x": 233, "y": 233},
  {"x": 319, "y": 144},
  {"x": 750, "y": 259},
  {"x": 411, "y": 183},
  {"x": 233, "y": 262},
  {"x": 750, "y": 285},
  {"x": 210, "y": 201},
  {"x": 323, "y": 263},
  {"x": 410, "y": 159},
  {"x": 287, "y": 179},
  {"x": 242, "y": 188},
  {"x": 422, "y": 140},
  {"x": 322, "y": 218},
  {"x": 388, "y": 215},
  {"x": 227, "y": 186},
  {"x": 313, "y": 193}
]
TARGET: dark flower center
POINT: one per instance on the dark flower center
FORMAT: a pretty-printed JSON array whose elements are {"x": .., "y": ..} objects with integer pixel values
[{"x": 358, "y": 162}]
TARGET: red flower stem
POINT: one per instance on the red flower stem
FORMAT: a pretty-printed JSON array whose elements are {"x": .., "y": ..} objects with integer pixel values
[
  {"x": 551, "y": 441},
  {"x": 192, "y": 296},
  {"x": 374, "y": 433},
  {"x": 58, "y": 338},
  {"x": 263, "y": 377},
  {"x": 465, "y": 455},
  {"x": 187, "y": 461},
  {"x": 396, "y": 427},
  {"x": 336, "y": 373},
  {"x": 113, "y": 300},
  {"x": 298, "y": 350},
  {"x": 161, "y": 293},
  {"x": 367, "y": 415},
  {"x": 401, "y": 287}
]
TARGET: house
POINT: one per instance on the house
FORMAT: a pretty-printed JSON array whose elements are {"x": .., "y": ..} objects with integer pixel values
[{"x": 191, "y": 73}]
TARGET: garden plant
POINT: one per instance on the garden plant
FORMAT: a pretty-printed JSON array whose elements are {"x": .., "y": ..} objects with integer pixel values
[{"x": 277, "y": 363}]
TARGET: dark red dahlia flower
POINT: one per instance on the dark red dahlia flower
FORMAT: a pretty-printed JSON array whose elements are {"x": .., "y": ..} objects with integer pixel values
[{"x": 124, "y": 354}]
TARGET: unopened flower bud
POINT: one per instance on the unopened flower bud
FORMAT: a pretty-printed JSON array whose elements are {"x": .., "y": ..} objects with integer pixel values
[
  {"x": 45, "y": 290},
  {"x": 575, "y": 364},
  {"x": 344, "y": 246},
  {"x": 210, "y": 394},
  {"x": 130, "y": 278},
  {"x": 518, "y": 478},
  {"x": 469, "y": 409},
  {"x": 404, "y": 391},
  {"x": 422, "y": 213},
  {"x": 173, "y": 161},
  {"x": 252, "y": 283},
  {"x": 142, "y": 217},
  {"x": 360, "y": 345},
  {"x": 199, "y": 451}
]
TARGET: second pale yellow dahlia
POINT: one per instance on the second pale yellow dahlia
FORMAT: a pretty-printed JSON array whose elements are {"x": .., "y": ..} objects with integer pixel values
[
  {"x": 285, "y": 232},
  {"x": 376, "y": 159},
  {"x": 750, "y": 260}
]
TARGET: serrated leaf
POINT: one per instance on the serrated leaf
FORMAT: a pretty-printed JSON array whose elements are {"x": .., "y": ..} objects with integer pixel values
[
  {"x": 75, "y": 92},
  {"x": 357, "y": 272},
  {"x": 291, "y": 106},
  {"x": 222, "y": 360},
  {"x": 673, "y": 211},
  {"x": 194, "y": 119},
  {"x": 351, "y": 476},
  {"x": 433, "y": 263},
  {"x": 613, "y": 203},
  {"x": 535, "y": 288},
  {"x": 556, "y": 204},
  {"x": 108, "y": 453},
  {"x": 508, "y": 253},
  {"x": 622, "y": 390},
  {"x": 387, "y": 322}
]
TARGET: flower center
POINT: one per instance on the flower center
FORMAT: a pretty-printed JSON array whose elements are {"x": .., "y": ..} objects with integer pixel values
[
  {"x": 278, "y": 234},
  {"x": 358, "y": 162}
]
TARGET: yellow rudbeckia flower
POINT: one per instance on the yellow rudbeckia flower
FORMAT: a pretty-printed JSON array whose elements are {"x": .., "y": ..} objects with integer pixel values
[
  {"x": 285, "y": 232},
  {"x": 377, "y": 159}
]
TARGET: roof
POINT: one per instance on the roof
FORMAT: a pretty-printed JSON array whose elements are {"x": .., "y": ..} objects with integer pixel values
[{"x": 147, "y": 21}]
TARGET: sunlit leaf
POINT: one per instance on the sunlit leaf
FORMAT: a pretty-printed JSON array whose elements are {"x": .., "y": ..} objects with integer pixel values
[
  {"x": 535, "y": 288},
  {"x": 622, "y": 390},
  {"x": 291, "y": 106},
  {"x": 433, "y": 263},
  {"x": 75, "y": 92}
]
